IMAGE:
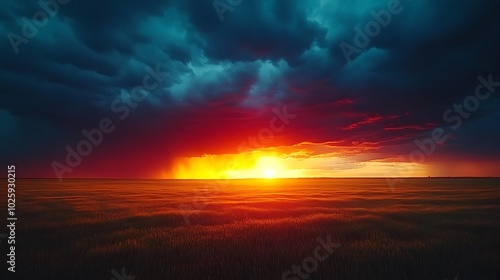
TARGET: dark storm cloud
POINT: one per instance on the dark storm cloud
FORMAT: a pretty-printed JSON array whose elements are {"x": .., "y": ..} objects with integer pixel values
[
  {"x": 225, "y": 77},
  {"x": 271, "y": 30}
]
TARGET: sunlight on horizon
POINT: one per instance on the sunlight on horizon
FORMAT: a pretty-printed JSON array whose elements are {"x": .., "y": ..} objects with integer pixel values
[{"x": 269, "y": 165}]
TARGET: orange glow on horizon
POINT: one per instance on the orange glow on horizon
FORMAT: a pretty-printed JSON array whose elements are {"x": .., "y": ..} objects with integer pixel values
[
  {"x": 289, "y": 162},
  {"x": 256, "y": 164}
]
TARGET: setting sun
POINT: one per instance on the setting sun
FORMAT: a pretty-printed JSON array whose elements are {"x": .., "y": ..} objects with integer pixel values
[
  {"x": 268, "y": 164},
  {"x": 267, "y": 167},
  {"x": 270, "y": 173},
  {"x": 256, "y": 164}
]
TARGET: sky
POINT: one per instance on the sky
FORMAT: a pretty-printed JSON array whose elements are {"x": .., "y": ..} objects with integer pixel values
[{"x": 238, "y": 88}]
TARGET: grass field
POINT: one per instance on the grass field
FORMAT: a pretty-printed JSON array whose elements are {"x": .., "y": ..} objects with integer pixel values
[{"x": 257, "y": 229}]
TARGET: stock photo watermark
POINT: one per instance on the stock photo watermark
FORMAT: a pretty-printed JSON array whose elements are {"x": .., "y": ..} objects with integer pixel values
[
  {"x": 11, "y": 219},
  {"x": 454, "y": 116},
  {"x": 372, "y": 29},
  {"x": 94, "y": 137},
  {"x": 122, "y": 276},
  {"x": 221, "y": 7},
  {"x": 30, "y": 28},
  {"x": 265, "y": 136},
  {"x": 310, "y": 264}
]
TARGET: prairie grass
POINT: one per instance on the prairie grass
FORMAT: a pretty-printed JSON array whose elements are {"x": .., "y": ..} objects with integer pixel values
[{"x": 257, "y": 229}]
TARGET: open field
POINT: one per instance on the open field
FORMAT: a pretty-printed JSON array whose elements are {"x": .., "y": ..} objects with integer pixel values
[{"x": 257, "y": 229}]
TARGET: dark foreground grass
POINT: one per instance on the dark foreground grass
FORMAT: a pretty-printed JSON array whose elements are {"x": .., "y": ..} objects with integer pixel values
[{"x": 258, "y": 229}]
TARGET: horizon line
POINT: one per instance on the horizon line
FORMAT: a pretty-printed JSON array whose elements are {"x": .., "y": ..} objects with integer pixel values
[{"x": 257, "y": 178}]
